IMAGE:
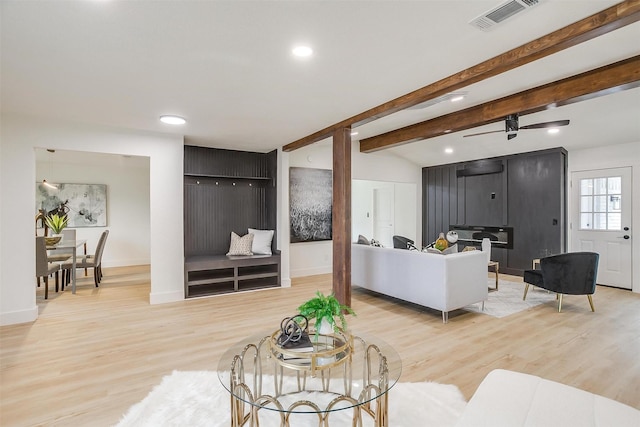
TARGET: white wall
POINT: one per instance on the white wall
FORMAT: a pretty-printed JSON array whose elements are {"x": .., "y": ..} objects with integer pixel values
[
  {"x": 362, "y": 208},
  {"x": 20, "y": 136},
  {"x": 128, "y": 204},
  {"x": 310, "y": 258},
  {"x": 614, "y": 156}
]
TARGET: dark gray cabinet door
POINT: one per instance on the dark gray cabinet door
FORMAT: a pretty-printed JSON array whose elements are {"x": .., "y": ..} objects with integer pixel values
[{"x": 536, "y": 206}]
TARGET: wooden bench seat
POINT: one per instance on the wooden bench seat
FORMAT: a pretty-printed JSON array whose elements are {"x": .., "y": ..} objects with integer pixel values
[{"x": 218, "y": 274}]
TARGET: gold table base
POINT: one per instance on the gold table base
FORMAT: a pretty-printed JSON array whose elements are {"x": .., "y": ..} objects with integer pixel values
[{"x": 247, "y": 397}]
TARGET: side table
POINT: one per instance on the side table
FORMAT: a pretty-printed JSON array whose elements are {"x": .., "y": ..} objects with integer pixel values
[
  {"x": 262, "y": 385},
  {"x": 496, "y": 269}
]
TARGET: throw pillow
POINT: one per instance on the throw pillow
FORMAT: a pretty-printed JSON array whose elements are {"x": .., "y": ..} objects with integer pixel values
[
  {"x": 240, "y": 245},
  {"x": 363, "y": 240},
  {"x": 261, "y": 241},
  {"x": 375, "y": 243}
]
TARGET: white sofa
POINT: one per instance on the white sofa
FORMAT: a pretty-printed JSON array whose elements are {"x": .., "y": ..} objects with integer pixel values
[
  {"x": 507, "y": 398},
  {"x": 441, "y": 282}
]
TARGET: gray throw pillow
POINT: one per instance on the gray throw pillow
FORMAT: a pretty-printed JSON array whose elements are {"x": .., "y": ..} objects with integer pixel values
[
  {"x": 240, "y": 245},
  {"x": 363, "y": 240}
]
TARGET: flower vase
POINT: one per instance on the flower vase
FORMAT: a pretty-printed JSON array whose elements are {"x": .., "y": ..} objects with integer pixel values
[
  {"x": 325, "y": 340},
  {"x": 441, "y": 244}
]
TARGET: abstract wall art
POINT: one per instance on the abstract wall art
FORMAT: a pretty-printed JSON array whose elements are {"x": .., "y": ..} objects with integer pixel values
[
  {"x": 85, "y": 204},
  {"x": 310, "y": 204}
]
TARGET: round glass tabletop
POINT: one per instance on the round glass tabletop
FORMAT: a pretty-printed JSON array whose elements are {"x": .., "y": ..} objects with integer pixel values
[{"x": 340, "y": 372}]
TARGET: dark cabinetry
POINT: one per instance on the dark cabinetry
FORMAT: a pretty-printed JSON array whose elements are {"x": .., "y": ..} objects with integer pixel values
[
  {"x": 525, "y": 191},
  {"x": 225, "y": 191}
]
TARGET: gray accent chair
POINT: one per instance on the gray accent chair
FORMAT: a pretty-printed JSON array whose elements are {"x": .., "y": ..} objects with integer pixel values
[{"x": 572, "y": 273}]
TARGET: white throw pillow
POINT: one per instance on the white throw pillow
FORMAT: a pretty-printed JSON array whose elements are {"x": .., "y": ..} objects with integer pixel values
[
  {"x": 240, "y": 245},
  {"x": 261, "y": 241}
]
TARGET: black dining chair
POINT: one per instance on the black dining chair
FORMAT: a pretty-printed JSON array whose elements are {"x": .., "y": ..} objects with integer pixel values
[{"x": 573, "y": 273}]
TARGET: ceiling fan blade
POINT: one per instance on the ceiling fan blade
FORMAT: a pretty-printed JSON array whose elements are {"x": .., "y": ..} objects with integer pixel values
[
  {"x": 544, "y": 125},
  {"x": 483, "y": 133}
]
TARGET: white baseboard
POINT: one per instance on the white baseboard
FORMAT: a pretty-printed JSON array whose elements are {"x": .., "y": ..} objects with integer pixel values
[
  {"x": 125, "y": 262},
  {"x": 22, "y": 316},
  {"x": 311, "y": 271},
  {"x": 165, "y": 297}
]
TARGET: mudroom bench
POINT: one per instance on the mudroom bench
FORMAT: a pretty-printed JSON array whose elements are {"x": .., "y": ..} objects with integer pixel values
[{"x": 219, "y": 274}]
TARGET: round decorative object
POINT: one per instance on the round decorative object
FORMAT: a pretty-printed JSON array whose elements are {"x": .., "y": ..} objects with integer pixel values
[
  {"x": 292, "y": 329},
  {"x": 441, "y": 244},
  {"x": 50, "y": 241},
  {"x": 452, "y": 236}
]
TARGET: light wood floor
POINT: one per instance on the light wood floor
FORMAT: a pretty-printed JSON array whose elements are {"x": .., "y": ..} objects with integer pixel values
[{"x": 90, "y": 356}]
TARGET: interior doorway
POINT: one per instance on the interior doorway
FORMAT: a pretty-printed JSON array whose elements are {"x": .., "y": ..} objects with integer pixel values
[{"x": 127, "y": 180}]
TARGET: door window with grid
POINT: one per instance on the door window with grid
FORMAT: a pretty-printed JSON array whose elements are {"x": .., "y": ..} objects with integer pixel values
[{"x": 600, "y": 203}]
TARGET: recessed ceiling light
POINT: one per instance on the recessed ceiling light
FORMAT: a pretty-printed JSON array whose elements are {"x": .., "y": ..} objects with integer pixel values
[
  {"x": 553, "y": 130},
  {"x": 448, "y": 150},
  {"x": 302, "y": 51},
  {"x": 172, "y": 120},
  {"x": 457, "y": 98}
]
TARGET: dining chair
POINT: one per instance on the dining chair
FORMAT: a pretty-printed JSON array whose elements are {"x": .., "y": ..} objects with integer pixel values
[
  {"x": 43, "y": 267},
  {"x": 88, "y": 261}
]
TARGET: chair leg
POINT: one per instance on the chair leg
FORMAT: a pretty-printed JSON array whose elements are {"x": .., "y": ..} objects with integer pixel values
[
  {"x": 95, "y": 276},
  {"x": 559, "y": 302},
  {"x": 591, "y": 302},
  {"x": 46, "y": 287},
  {"x": 526, "y": 289},
  {"x": 38, "y": 282},
  {"x": 57, "y": 280}
]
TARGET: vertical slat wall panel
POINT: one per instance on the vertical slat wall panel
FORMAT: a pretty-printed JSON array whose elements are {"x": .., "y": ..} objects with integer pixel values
[
  {"x": 453, "y": 196},
  {"x": 441, "y": 206},
  {"x": 530, "y": 195},
  {"x": 214, "y": 206}
]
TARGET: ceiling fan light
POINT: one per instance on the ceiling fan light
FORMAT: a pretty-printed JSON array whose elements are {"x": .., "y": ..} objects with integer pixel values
[{"x": 553, "y": 130}]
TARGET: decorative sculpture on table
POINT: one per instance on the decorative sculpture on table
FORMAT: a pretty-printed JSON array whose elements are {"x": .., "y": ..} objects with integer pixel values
[{"x": 294, "y": 332}]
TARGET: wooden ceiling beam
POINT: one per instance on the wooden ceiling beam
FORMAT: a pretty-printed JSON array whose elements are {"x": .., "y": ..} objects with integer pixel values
[
  {"x": 591, "y": 84},
  {"x": 608, "y": 20}
]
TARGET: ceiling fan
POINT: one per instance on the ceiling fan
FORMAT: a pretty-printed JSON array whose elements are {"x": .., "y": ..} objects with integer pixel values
[{"x": 512, "y": 127}]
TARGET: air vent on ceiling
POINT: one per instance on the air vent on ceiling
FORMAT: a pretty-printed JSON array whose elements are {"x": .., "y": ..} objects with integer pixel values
[{"x": 503, "y": 11}]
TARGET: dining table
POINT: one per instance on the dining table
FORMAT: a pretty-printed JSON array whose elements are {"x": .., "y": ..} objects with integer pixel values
[{"x": 71, "y": 245}]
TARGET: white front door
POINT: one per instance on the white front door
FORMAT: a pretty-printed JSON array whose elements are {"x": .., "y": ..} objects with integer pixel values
[
  {"x": 601, "y": 222},
  {"x": 383, "y": 216}
]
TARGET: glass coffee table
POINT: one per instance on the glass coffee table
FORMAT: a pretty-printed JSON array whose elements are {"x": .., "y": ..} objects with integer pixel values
[{"x": 345, "y": 378}]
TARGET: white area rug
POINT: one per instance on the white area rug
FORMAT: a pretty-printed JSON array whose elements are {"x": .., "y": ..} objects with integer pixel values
[
  {"x": 196, "y": 398},
  {"x": 508, "y": 299}
]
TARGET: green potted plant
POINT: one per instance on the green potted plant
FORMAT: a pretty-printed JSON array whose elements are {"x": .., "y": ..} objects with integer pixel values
[
  {"x": 56, "y": 223},
  {"x": 324, "y": 309}
]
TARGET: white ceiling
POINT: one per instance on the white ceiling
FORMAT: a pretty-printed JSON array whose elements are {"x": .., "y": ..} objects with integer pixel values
[{"x": 226, "y": 67}]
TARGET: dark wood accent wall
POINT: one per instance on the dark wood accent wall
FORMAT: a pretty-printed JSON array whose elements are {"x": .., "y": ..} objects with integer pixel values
[
  {"x": 225, "y": 191},
  {"x": 528, "y": 193}
]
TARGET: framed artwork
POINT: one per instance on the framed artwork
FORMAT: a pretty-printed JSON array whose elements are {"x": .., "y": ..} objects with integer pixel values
[
  {"x": 85, "y": 204},
  {"x": 310, "y": 204}
]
